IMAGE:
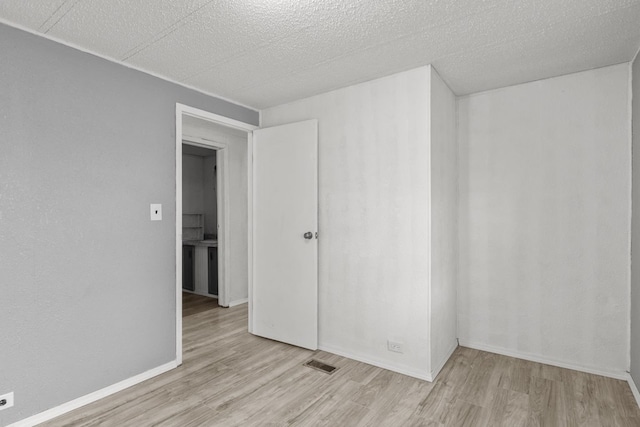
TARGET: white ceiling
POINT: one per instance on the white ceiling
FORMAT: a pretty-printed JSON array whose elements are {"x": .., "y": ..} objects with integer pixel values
[{"x": 266, "y": 52}]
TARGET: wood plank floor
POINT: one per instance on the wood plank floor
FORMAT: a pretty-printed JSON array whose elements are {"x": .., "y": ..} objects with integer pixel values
[
  {"x": 231, "y": 378},
  {"x": 194, "y": 304}
]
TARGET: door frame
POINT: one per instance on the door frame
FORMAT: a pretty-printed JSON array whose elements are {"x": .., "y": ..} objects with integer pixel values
[{"x": 185, "y": 110}]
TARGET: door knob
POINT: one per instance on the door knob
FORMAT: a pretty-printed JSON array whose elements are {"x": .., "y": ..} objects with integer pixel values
[{"x": 308, "y": 235}]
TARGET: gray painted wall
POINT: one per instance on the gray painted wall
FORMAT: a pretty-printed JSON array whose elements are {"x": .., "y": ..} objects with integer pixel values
[
  {"x": 635, "y": 226},
  {"x": 88, "y": 282}
]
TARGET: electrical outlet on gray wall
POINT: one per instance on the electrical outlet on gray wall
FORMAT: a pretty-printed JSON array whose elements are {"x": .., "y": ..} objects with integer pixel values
[{"x": 6, "y": 401}]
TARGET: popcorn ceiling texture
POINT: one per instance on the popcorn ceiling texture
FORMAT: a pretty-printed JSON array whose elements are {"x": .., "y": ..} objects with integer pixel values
[{"x": 264, "y": 53}]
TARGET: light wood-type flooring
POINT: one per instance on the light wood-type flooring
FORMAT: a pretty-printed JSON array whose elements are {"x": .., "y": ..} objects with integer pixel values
[
  {"x": 194, "y": 304},
  {"x": 232, "y": 378}
]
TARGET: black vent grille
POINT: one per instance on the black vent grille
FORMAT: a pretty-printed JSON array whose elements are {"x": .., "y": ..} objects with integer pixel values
[{"x": 320, "y": 366}]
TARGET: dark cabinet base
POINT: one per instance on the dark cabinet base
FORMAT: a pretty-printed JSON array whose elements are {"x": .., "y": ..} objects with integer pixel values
[
  {"x": 188, "y": 267},
  {"x": 213, "y": 270}
]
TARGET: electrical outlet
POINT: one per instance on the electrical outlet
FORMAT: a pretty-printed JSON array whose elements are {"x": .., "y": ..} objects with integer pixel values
[
  {"x": 6, "y": 401},
  {"x": 156, "y": 212},
  {"x": 394, "y": 346}
]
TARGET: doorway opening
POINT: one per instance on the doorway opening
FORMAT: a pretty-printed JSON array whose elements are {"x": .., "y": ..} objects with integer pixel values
[
  {"x": 200, "y": 223},
  {"x": 207, "y": 255}
]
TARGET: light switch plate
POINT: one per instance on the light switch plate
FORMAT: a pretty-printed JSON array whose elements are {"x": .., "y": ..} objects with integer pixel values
[{"x": 156, "y": 212}]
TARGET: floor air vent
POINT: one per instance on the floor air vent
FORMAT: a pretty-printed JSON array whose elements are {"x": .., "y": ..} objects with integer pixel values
[{"x": 322, "y": 367}]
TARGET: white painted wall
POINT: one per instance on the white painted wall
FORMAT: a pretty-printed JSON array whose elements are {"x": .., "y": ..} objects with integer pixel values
[
  {"x": 544, "y": 219},
  {"x": 192, "y": 184},
  {"x": 238, "y": 196},
  {"x": 374, "y": 210},
  {"x": 635, "y": 226},
  {"x": 444, "y": 224}
]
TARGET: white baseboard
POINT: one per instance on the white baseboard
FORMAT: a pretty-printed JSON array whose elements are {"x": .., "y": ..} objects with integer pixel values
[
  {"x": 92, "y": 397},
  {"x": 238, "y": 302},
  {"x": 380, "y": 364},
  {"x": 634, "y": 389},
  {"x": 435, "y": 371},
  {"x": 544, "y": 360}
]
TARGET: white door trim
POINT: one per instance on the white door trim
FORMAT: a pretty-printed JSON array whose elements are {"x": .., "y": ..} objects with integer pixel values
[
  {"x": 181, "y": 110},
  {"x": 250, "y": 183}
]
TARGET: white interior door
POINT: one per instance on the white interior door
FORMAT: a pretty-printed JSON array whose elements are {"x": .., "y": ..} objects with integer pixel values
[{"x": 284, "y": 301}]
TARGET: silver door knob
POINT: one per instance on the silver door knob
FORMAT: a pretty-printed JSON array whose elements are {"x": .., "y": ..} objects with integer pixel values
[{"x": 308, "y": 235}]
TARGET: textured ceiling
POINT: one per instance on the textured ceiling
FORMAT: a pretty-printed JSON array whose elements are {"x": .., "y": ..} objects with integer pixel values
[{"x": 266, "y": 52}]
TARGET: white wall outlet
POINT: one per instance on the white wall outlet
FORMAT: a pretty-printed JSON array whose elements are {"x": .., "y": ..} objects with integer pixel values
[
  {"x": 156, "y": 212},
  {"x": 395, "y": 346},
  {"x": 6, "y": 401}
]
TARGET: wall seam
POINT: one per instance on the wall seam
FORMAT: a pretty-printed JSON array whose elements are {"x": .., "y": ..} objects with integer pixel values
[
  {"x": 429, "y": 225},
  {"x": 630, "y": 200},
  {"x": 457, "y": 283},
  {"x": 631, "y": 133}
]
